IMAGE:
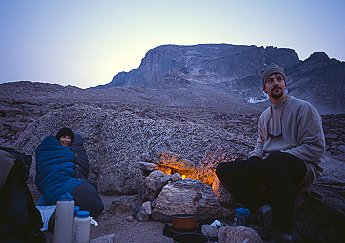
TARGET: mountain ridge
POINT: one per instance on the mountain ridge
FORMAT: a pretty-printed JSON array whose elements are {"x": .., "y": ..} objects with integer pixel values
[{"x": 235, "y": 69}]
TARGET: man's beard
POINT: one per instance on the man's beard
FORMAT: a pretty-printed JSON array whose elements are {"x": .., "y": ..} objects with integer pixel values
[{"x": 277, "y": 95}]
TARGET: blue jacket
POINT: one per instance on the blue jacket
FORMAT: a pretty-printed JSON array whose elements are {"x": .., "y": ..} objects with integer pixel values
[{"x": 55, "y": 170}]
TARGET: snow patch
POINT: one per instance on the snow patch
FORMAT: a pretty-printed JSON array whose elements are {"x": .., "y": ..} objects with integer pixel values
[{"x": 252, "y": 100}]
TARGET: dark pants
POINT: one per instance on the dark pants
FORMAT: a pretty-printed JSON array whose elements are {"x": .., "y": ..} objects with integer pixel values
[
  {"x": 273, "y": 180},
  {"x": 86, "y": 197}
]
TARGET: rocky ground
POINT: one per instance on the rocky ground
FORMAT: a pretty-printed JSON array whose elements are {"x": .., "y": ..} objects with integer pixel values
[
  {"x": 17, "y": 113},
  {"x": 122, "y": 127},
  {"x": 118, "y": 225}
]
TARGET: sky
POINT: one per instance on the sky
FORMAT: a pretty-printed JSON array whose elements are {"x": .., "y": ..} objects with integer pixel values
[{"x": 85, "y": 43}]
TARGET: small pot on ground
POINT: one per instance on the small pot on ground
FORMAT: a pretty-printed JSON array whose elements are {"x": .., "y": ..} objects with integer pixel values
[{"x": 184, "y": 222}]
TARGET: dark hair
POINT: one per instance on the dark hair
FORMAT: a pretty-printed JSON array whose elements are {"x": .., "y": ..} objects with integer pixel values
[{"x": 64, "y": 131}]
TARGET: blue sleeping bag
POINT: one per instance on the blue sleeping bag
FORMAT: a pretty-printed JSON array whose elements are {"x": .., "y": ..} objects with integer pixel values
[
  {"x": 55, "y": 170},
  {"x": 81, "y": 159}
]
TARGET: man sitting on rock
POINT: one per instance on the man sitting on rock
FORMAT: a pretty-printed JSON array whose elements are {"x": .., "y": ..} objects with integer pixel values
[{"x": 287, "y": 155}]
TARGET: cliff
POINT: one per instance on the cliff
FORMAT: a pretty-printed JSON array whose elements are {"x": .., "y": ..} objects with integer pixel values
[{"x": 230, "y": 71}]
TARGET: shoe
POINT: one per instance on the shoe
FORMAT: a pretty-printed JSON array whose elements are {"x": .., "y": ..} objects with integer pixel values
[
  {"x": 264, "y": 232},
  {"x": 281, "y": 237},
  {"x": 273, "y": 236},
  {"x": 265, "y": 208},
  {"x": 262, "y": 216}
]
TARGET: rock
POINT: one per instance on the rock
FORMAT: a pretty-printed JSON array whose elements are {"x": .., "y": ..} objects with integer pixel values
[
  {"x": 223, "y": 195},
  {"x": 235, "y": 121},
  {"x": 124, "y": 203},
  {"x": 130, "y": 218},
  {"x": 154, "y": 183},
  {"x": 167, "y": 64},
  {"x": 104, "y": 239},
  {"x": 154, "y": 202},
  {"x": 341, "y": 148},
  {"x": 147, "y": 157},
  {"x": 229, "y": 234},
  {"x": 146, "y": 166},
  {"x": 164, "y": 180},
  {"x": 331, "y": 136},
  {"x": 333, "y": 174},
  {"x": 142, "y": 216},
  {"x": 147, "y": 207},
  {"x": 106, "y": 132},
  {"x": 18, "y": 126},
  {"x": 176, "y": 177},
  {"x": 10, "y": 111},
  {"x": 215, "y": 154},
  {"x": 209, "y": 231},
  {"x": 187, "y": 197},
  {"x": 338, "y": 143},
  {"x": 321, "y": 211},
  {"x": 3, "y": 133},
  {"x": 174, "y": 160}
]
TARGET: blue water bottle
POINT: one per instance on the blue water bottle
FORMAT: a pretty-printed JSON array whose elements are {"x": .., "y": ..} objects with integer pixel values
[{"x": 240, "y": 217}]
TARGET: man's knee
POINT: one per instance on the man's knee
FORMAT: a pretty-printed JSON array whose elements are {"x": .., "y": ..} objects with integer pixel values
[
  {"x": 276, "y": 155},
  {"x": 277, "y": 159},
  {"x": 282, "y": 160}
]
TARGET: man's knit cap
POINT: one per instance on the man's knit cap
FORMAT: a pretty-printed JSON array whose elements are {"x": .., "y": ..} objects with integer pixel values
[{"x": 269, "y": 70}]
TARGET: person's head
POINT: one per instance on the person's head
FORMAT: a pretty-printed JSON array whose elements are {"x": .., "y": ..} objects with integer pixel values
[
  {"x": 65, "y": 136},
  {"x": 274, "y": 81}
]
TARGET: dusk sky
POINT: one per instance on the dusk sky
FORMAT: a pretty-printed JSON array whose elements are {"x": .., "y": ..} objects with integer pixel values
[{"x": 85, "y": 43}]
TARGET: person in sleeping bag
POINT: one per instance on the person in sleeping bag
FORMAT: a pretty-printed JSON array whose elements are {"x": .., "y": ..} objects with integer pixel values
[{"x": 62, "y": 166}]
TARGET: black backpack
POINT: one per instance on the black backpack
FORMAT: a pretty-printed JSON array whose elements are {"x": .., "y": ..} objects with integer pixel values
[{"x": 20, "y": 220}]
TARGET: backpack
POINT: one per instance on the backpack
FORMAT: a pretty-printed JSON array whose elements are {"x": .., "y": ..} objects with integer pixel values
[{"x": 20, "y": 220}]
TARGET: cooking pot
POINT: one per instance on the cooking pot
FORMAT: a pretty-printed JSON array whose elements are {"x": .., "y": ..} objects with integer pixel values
[{"x": 184, "y": 222}]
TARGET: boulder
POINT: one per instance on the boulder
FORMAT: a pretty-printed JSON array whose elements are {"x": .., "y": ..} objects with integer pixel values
[
  {"x": 116, "y": 140},
  {"x": 153, "y": 184},
  {"x": 223, "y": 195},
  {"x": 104, "y": 239},
  {"x": 187, "y": 197},
  {"x": 320, "y": 212},
  {"x": 147, "y": 167},
  {"x": 209, "y": 231},
  {"x": 230, "y": 234},
  {"x": 147, "y": 207}
]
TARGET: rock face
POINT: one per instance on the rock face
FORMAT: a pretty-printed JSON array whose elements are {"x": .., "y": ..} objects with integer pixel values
[
  {"x": 234, "y": 69},
  {"x": 172, "y": 64},
  {"x": 320, "y": 80}
]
